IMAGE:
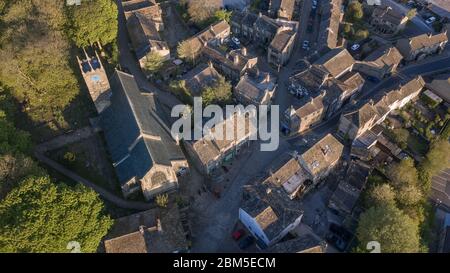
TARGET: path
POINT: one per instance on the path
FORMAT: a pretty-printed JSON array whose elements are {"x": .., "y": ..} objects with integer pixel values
[{"x": 76, "y": 136}]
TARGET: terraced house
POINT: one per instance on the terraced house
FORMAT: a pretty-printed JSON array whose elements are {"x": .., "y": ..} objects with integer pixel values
[
  {"x": 419, "y": 47},
  {"x": 278, "y": 36},
  {"x": 213, "y": 150},
  {"x": 354, "y": 124},
  {"x": 267, "y": 209},
  {"x": 256, "y": 88},
  {"x": 321, "y": 90},
  {"x": 387, "y": 21},
  {"x": 380, "y": 63}
]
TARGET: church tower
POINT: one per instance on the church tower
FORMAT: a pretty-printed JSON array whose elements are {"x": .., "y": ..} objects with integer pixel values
[{"x": 96, "y": 80}]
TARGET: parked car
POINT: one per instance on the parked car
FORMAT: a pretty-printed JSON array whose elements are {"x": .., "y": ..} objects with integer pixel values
[
  {"x": 373, "y": 79},
  {"x": 246, "y": 242},
  {"x": 314, "y": 4},
  {"x": 355, "y": 47},
  {"x": 336, "y": 242},
  {"x": 305, "y": 44},
  {"x": 430, "y": 20},
  {"x": 236, "y": 40},
  {"x": 238, "y": 234}
]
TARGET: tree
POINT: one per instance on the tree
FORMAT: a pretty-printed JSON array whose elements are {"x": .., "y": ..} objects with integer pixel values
[
  {"x": 40, "y": 216},
  {"x": 153, "y": 62},
  {"x": 92, "y": 21},
  {"x": 408, "y": 195},
  {"x": 11, "y": 139},
  {"x": 401, "y": 137},
  {"x": 202, "y": 11},
  {"x": 403, "y": 173},
  {"x": 219, "y": 93},
  {"x": 437, "y": 158},
  {"x": 381, "y": 195},
  {"x": 223, "y": 15},
  {"x": 411, "y": 13},
  {"x": 188, "y": 51},
  {"x": 34, "y": 53},
  {"x": 162, "y": 200},
  {"x": 395, "y": 231},
  {"x": 361, "y": 34},
  {"x": 354, "y": 11}
]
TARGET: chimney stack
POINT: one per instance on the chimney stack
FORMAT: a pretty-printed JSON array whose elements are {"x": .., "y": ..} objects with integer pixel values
[
  {"x": 158, "y": 225},
  {"x": 267, "y": 78},
  {"x": 244, "y": 51},
  {"x": 236, "y": 59}
]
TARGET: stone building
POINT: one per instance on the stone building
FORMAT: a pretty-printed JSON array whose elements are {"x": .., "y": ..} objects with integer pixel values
[
  {"x": 96, "y": 80},
  {"x": 419, "y": 47}
]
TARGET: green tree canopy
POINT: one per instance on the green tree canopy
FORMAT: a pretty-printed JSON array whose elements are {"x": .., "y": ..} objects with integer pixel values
[
  {"x": 223, "y": 15},
  {"x": 187, "y": 51},
  {"x": 437, "y": 158},
  {"x": 219, "y": 93},
  {"x": 354, "y": 11},
  {"x": 403, "y": 173},
  {"x": 93, "y": 21},
  {"x": 153, "y": 62},
  {"x": 381, "y": 195},
  {"x": 40, "y": 216},
  {"x": 395, "y": 231},
  {"x": 34, "y": 54}
]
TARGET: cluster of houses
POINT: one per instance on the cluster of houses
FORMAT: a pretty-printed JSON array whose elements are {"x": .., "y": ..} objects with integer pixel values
[
  {"x": 331, "y": 81},
  {"x": 144, "y": 22},
  {"x": 268, "y": 209},
  {"x": 321, "y": 90}
]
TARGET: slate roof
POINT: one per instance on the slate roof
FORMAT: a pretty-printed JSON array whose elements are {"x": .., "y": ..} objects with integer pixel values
[
  {"x": 143, "y": 34},
  {"x": 254, "y": 87},
  {"x": 205, "y": 36},
  {"x": 302, "y": 244},
  {"x": 348, "y": 191},
  {"x": 125, "y": 235},
  {"x": 384, "y": 56},
  {"x": 323, "y": 154},
  {"x": 227, "y": 59},
  {"x": 203, "y": 75},
  {"x": 336, "y": 61},
  {"x": 383, "y": 102},
  {"x": 329, "y": 26},
  {"x": 440, "y": 188},
  {"x": 210, "y": 147},
  {"x": 270, "y": 206},
  {"x": 135, "y": 136},
  {"x": 267, "y": 24},
  {"x": 440, "y": 86},
  {"x": 282, "y": 40},
  {"x": 387, "y": 13},
  {"x": 408, "y": 45}
]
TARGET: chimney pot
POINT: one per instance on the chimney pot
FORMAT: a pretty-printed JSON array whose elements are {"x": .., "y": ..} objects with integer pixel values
[{"x": 236, "y": 59}]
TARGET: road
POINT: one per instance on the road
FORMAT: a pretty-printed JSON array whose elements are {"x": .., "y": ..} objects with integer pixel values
[
  {"x": 128, "y": 60},
  {"x": 404, "y": 10}
]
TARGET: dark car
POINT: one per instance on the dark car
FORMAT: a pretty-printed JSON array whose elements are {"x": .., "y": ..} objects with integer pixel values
[
  {"x": 238, "y": 234},
  {"x": 246, "y": 242},
  {"x": 341, "y": 232},
  {"x": 336, "y": 241},
  {"x": 373, "y": 79}
]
